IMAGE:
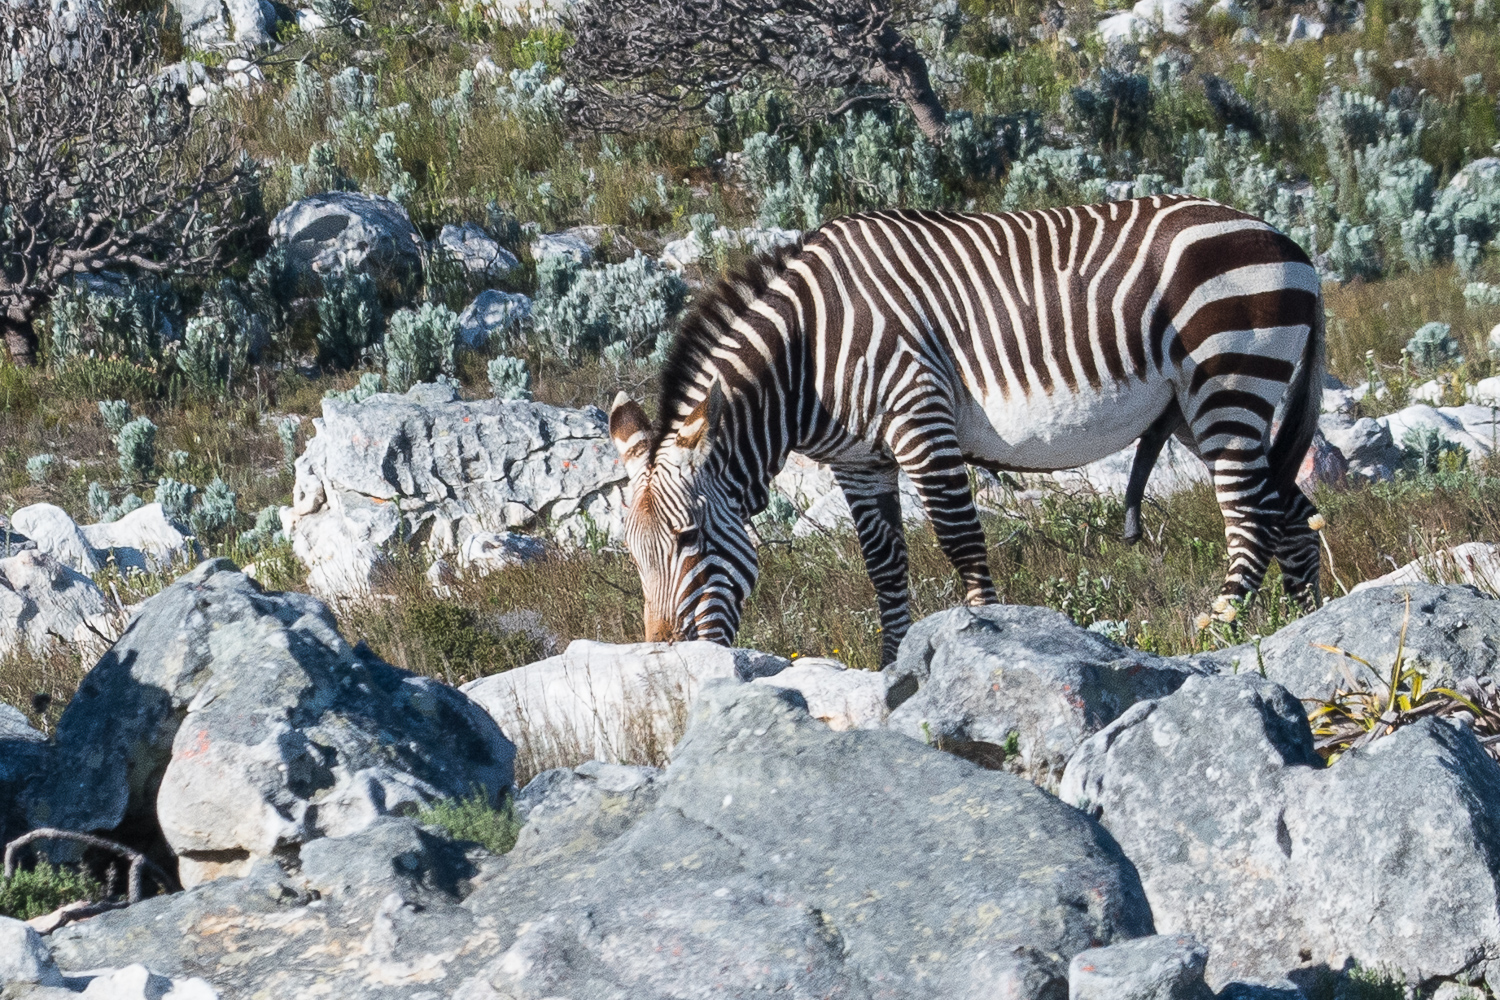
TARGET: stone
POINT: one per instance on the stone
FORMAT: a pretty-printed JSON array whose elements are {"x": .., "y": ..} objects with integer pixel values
[
  {"x": 343, "y": 231},
  {"x": 1453, "y": 633},
  {"x": 136, "y": 982},
  {"x": 143, "y": 541},
  {"x": 528, "y": 13},
  {"x": 228, "y": 724},
  {"x": 23, "y": 755},
  {"x": 1176, "y": 469},
  {"x": 1022, "y": 676},
  {"x": 774, "y": 854},
  {"x": 570, "y": 243},
  {"x": 43, "y": 603},
  {"x": 1304, "y": 29},
  {"x": 251, "y": 29},
  {"x": 1476, "y": 564},
  {"x": 1366, "y": 444},
  {"x": 679, "y": 253},
  {"x": 1173, "y": 15},
  {"x": 835, "y": 695},
  {"x": 1124, "y": 28},
  {"x": 1324, "y": 465},
  {"x": 487, "y": 551},
  {"x": 1486, "y": 392},
  {"x": 1246, "y": 842},
  {"x": 24, "y": 957},
  {"x": 1161, "y": 967},
  {"x": 492, "y": 314},
  {"x": 476, "y": 251},
  {"x": 1472, "y": 427},
  {"x": 311, "y": 21},
  {"x": 611, "y": 702},
  {"x": 57, "y": 535},
  {"x": 395, "y": 470}
]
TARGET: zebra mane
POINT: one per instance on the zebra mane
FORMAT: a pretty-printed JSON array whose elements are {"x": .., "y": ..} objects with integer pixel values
[{"x": 706, "y": 327}]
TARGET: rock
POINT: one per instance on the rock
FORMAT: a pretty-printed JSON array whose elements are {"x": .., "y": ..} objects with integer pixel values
[
  {"x": 1486, "y": 392},
  {"x": 310, "y": 21},
  {"x": 1022, "y": 676},
  {"x": 572, "y": 243},
  {"x": 1244, "y": 841},
  {"x": 1124, "y": 28},
  {"x": 474, "y": 249},
  {"x": 56, "y": 534},
  {"x": 689, "y": 249},
  {"x": 491, "y": 314},
  {"x": 611, "y": 702},
  {"x": 1324, "y": 465},
  {"x": 210, "y": 24},
  {"x": 1304, "y": 29},
  {"x": 143, "y": 540},
  {"x": 1151, "y": 968},
  {"x": 395, "y": 470},
  {"x": 1366, "y": 445},
  {"x": 485, "y": 552},
  {"x": 774, "y": 853},
  {"x": 136, "y": 982},
  {"x": 185, "y": 74},
  {"x": 24, "y": 957},
  {"x": 23, "y": 754},
  {"x": 228, "y": 724},
  {"x": 1173, "y": 15},
  {"x": 1337, "y": 397},
  {"x": 43, "y": 602},
  {"x": 1451, "y": 422},
  {"x": 251, "y": 28},
  {"x": 342, "y": 231},
  {"x": 811, "y": 488},
  {"x": 1177, "y": 469},
  {"x": 1454, "y": 632},
  {"x": 835, "y": 695},
  {"x": 528, "y": 13},
  {"x": 1474, "y": 563},
  {"x": 241, "y": 74}
]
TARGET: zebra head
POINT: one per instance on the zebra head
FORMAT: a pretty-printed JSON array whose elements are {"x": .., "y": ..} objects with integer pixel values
[{"x": 689, "y": 543}]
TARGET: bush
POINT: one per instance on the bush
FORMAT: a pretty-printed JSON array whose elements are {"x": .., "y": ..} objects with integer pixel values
[
  {"x": 267, "y": 531},
  {"x": 509, "y": 378},
  {"x": 368, "y": 385},
  {"x": 287, "y": 432},
  {"x": 634, "y": 304},
  {"x": 1433, "y": 346},
  {"x": 419, "y": 345},
  {"x": 1054, "y": 177},
  {"x": 475, "y": 819},
  {"x": 349, "y": 319},
  {"x": 176, "y": 500},
  {"x": 39, "y": 467},
  {"x": 1427, "y": 451},
  {"x": 110, "y": 317},
  {"x": 115, "y": 413},
  {"x": 39, "y": 891},
  {"x": 212, "y": 351},
  {"x": 215, "y": 512},
  {"x": 136, "y": 443},
  {"x": 105, "y": 509}
]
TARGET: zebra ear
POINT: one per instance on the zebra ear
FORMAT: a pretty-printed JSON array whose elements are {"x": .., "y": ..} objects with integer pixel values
[
  {"x": 631, "y": 431},
  {"x": 696, "y": 437}
]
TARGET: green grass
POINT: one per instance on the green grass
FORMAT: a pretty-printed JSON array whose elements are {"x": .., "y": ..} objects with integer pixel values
[
  {"x": 475, "y": 819},
  {"x": 38, "y": 891}
]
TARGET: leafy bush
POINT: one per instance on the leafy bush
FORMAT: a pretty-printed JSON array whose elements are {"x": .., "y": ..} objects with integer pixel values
[
  {"x": 633, "y": 304},
  {"x": 110, "y": 317},
  {"x": 267, "y": 531},
  {"x": 287, "y": 432},
  {"x": 474, "y": 818},
  {"x": 1427, "y": 451},
  {"x": 509, "y": 378},
  {"x": 349, "y": 319},
  {"x": 215, "y": 512},
  {"x": 39, "y": 467},
  {"x": 212, "y": 351},
  {"x": 115, "y": 413},
  {"x": 1054, "y": 177},
  {"x": 136, "y": 444},
  {"x": 1433, "y": 346},
  {"x": 176, "y": 499},
  {"x": 40, "y": 890},
  {"x": 105, "y": 510},
  {"x": 419, "y": 345}
]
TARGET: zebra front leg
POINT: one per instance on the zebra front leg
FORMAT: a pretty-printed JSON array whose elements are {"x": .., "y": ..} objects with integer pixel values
[{"x": 876, "y": 506}]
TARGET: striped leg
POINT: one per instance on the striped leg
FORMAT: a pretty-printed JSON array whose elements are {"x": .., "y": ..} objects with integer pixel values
[
  {"x": 1297, "y": 550},
  {"x": 876, "y": 506},
  {"x": 926, "y": 448},
  {"x": 1253, "y": 514}
]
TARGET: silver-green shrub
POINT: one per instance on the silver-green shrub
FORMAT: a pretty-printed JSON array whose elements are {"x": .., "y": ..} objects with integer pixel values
[
  {"x": 136, "y": 444},
  {"x": 419, "y": 345},
  {"x": 1426, "y": 450},
  {"x": 115, "y": 413},
  {"x": 213, "y": 350},
  {"x": 105, "y": 510},
  {"x": 176, "y": 499},
  {"x": 634, "y": 304},
  {"x": 368, "y": 385},
  {"x": 1433, "y": 346},
  {"x": 215, "y": 511},
  {"x": 39, "y": 467},
  {"x": 348, "y": 319},
  {"x": 287, "y": 432},
  {"x": 509, "y": 378},
  {"x": 267, "y": 530},
  {"x": 1055, "y": 177},
  {"x": 1435, "y": 27},
  {"x": 124, "y": 318}
]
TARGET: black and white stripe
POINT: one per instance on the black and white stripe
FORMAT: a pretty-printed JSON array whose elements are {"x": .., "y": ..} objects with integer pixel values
[{"x": 1031, "y": 341}]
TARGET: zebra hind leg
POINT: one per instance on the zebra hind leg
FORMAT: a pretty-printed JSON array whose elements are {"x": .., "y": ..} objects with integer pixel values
[
  {"x": 1253, "y": 518},
  {"x": 943, "y": 485},
  {"x": 1298, "y": 552},
  {"x": 876, "y": 506}
]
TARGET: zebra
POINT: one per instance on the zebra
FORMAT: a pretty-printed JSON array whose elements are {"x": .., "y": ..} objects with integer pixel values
[{"x": 927, "y": 341}]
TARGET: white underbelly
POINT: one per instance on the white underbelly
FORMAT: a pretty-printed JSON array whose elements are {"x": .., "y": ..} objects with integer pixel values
[{"x": 1061, "y": 430}]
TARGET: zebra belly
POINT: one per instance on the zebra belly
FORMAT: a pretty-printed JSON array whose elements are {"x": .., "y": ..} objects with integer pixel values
[{"x": 1061, "y": 430}]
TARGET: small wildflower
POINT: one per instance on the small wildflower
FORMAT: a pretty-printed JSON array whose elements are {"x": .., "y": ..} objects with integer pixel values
[
  {"x": 1317, "y": 522},
  {"x": 1203, "y": 621}
]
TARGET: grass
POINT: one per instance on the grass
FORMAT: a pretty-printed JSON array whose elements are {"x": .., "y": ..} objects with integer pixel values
[
  {"x": 474, "y": 818},
  {"x": 38, "y": 891}
]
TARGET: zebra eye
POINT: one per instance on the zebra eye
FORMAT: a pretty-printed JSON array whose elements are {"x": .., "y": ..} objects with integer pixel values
[{"x": 688, "y": 537}]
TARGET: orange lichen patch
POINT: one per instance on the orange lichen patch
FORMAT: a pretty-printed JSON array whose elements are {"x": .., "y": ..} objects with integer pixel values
[{"x": 199, "y": 747}]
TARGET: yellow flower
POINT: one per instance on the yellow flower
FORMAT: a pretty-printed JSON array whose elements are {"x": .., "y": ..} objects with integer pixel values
[
  {"x": 1203, "y": 621},
  {"x": 1317, "y": 522}
]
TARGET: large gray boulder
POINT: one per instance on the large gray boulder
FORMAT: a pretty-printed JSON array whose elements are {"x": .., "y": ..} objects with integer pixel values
[
  {"x": 1366, "y": 445},
  {"x": 44, "y": 603},
  {"x": 1282, "y": 867},
  {"x": 773, "y": 855},
  {"x": 209, "y": 24},
  {"x": 492, "y": 316},
  {"x": 343, "y": 231},
  {"x": 23, "y": 754},
  {"x": 58, "y": 535},
  {"x": 1453, "y": 632},
  {"x": 432, "y": 470},
  {"x": 142, "y": 541},
  {"x": 1023, "y": 676},
  {"x": 24, "y": 958},
  {"x": 229, "y": 724}
]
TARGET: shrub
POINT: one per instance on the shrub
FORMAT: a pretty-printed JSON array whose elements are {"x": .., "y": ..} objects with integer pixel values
[
  {"x": 1054, "y": 177},
  {"x": 474, "y": 818},
  {"x": 212, "y": 350},
  {"x": 419, "y": 345},
  {"x": 634, "y": 304},
  {"x": 287, "y": 432},
  {"x": 39, "y": 891},
  {"x": 1435, "y": 27},
  {"x": 105, "y": 510},
  {"x": 115, "y": 413},
  {"x": 509, "y": 378},
  {"x": 136, "y": 444},
  {"x": 39, "y": 467},
  {"x": 368, "y": 385},
  {"x": 215, "y": 511},
  {"x": 176, "y": 500},
  {"x": 1433, "y": 346},
  {"x": 349, "y": 319},
  {"x": 267, "y": 531},
  {"x": 110, "y": 317},
  {"x": 1427, "y": 451}
]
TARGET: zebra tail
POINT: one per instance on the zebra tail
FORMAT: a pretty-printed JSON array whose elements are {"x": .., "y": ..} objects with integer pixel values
[{"x": 1304, "y": 404}]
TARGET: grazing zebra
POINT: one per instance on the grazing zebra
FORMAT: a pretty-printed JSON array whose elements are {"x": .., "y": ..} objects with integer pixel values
[{"x": 1030, "y": 341}]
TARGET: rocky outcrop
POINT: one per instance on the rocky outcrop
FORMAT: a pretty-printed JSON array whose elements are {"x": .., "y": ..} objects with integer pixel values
[
  {"x": 55, "y": 533},
  {"x": 429, "y": 471},
  {"x": 143, "y": 540},
  {"x": 1022, "y": 678},
  {"x": 229, "y": 724},
  {"x": 1244, "y": 840},
  {"x": 23, "y": 755},
  {"x": 343, "y": 231},
  {"x": 43, "y": 602},
  {"x": 774, "y": 855}
]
